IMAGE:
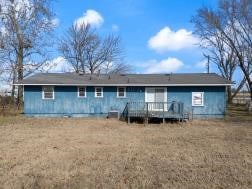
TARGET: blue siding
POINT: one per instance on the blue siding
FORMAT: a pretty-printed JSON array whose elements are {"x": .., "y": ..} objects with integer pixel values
[
  {"x": 214, "y": 100},
  {"x": 66, "y": 101}
]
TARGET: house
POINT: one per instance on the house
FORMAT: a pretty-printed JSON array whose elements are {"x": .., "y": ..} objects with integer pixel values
[{"x": 80, "y": 95}]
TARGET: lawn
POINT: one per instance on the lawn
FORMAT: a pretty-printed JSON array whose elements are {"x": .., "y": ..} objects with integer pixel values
[{"x": 98, "y": 153}]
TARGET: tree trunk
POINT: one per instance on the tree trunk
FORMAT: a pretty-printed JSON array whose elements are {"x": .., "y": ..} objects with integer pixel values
[
  {"x": 229, "y": 92},
  {"x": 13, "y": 86},
  {"x": 250, "y": 94},
  {"x": 249, "y": 87},
  {"x": 91, "y": 70},
  {"x": 247, "y": 76},
  {"x": 238, "y": 89},
  {"x": 249, "y": 84},
  {"x": 20, "y": 73}
]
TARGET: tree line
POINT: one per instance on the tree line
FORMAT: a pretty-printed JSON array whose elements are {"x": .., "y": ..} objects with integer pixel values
[{"x": 27, "y": 38}]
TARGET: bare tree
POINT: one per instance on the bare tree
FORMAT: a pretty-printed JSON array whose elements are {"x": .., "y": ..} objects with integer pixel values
[
  {"x": 87, "y": 52},
  {"x": 219, "y": 53},
  {"x": 119, "y": 68},
  {"x": 228, "y": 31},
  {"x": 25, "y": 26},
  {"x": 73, "y": 46}
]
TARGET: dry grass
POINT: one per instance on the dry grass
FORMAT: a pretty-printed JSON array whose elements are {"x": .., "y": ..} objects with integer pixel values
[
  {"x": 10, "y": 111},
  {"x": 89, "y": 153},
  {"x": 238, "y": 113}
]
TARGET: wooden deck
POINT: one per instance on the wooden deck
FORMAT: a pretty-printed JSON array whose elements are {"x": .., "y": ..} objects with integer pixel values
[{"x": 160, "y": 110}]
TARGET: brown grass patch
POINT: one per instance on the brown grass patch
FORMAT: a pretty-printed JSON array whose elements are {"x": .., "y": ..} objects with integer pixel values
[
  {"x": 238, "y": 113},
  {"x": 90, "y": 153}
]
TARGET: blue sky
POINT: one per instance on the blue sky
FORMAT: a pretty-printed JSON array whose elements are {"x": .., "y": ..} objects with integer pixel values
[{"x": 156, "y": 34}]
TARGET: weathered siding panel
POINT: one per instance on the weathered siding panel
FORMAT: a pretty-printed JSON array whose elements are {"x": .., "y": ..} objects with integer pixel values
[
  {"x": 66, "y": 101},
  {"x": 214, "y": 100}
]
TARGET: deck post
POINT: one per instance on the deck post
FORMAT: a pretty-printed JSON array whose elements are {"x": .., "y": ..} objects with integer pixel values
[
  {"x": 147, "y": 113},
  {"x": 163, "y": 113},
  {"x": 192, "y": 113},
  {"x": 128, "y": 115}
]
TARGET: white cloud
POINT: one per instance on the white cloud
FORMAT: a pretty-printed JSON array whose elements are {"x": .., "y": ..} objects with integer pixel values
[
  {"x": 164, "y": 66},
  {"x": 91, "y": 17},
  {"x": 115, "y": 28},
  {"x": 57, "y": 65},
  {"x": 168, "y": 40},
  {"x": 201, "y": 64},
  {"x": 55, "y": 22}
]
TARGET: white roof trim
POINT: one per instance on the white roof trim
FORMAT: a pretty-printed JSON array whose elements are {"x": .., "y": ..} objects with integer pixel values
[{"x": 147, "y": 85}]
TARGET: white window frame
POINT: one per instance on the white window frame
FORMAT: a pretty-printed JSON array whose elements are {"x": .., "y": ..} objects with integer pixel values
[
  {"x": 101, "y": 92},
  {"x": 202, "y": 94},
  {"x": 78, "y": 92},
  {"x": 124, "y": 93},
  {"x": 43, "y": 93}
]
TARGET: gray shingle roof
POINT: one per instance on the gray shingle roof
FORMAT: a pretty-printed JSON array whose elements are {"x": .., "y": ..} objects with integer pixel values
[{"x": 125, "y": 79}]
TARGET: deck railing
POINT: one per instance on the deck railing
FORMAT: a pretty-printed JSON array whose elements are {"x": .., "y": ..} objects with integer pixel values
[{"x": 155, "y": 109}]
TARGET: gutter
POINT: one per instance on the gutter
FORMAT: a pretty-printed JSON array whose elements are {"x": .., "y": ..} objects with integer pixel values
[{"x": 143, "y": 85}]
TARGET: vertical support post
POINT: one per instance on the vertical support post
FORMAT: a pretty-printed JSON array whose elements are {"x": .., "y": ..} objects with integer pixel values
[
  {"x": 192, "y": 113},
  {"x": 128, "y": 110},
  {"x": 163, "y": 113},
  {"x": 147, "y": 113}
]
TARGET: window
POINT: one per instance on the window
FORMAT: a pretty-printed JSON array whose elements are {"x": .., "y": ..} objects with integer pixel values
[
  {"x": 98, "y": 92},
  {"x": 121, "y": 92},
  {"x": 81, "y": 92},
  {"x": 197, "y": 99},
  {"x": 48, "y": 92}
]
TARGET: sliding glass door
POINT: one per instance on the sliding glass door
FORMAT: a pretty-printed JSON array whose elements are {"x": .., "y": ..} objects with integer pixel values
[{"x": 157, "y": 98}]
